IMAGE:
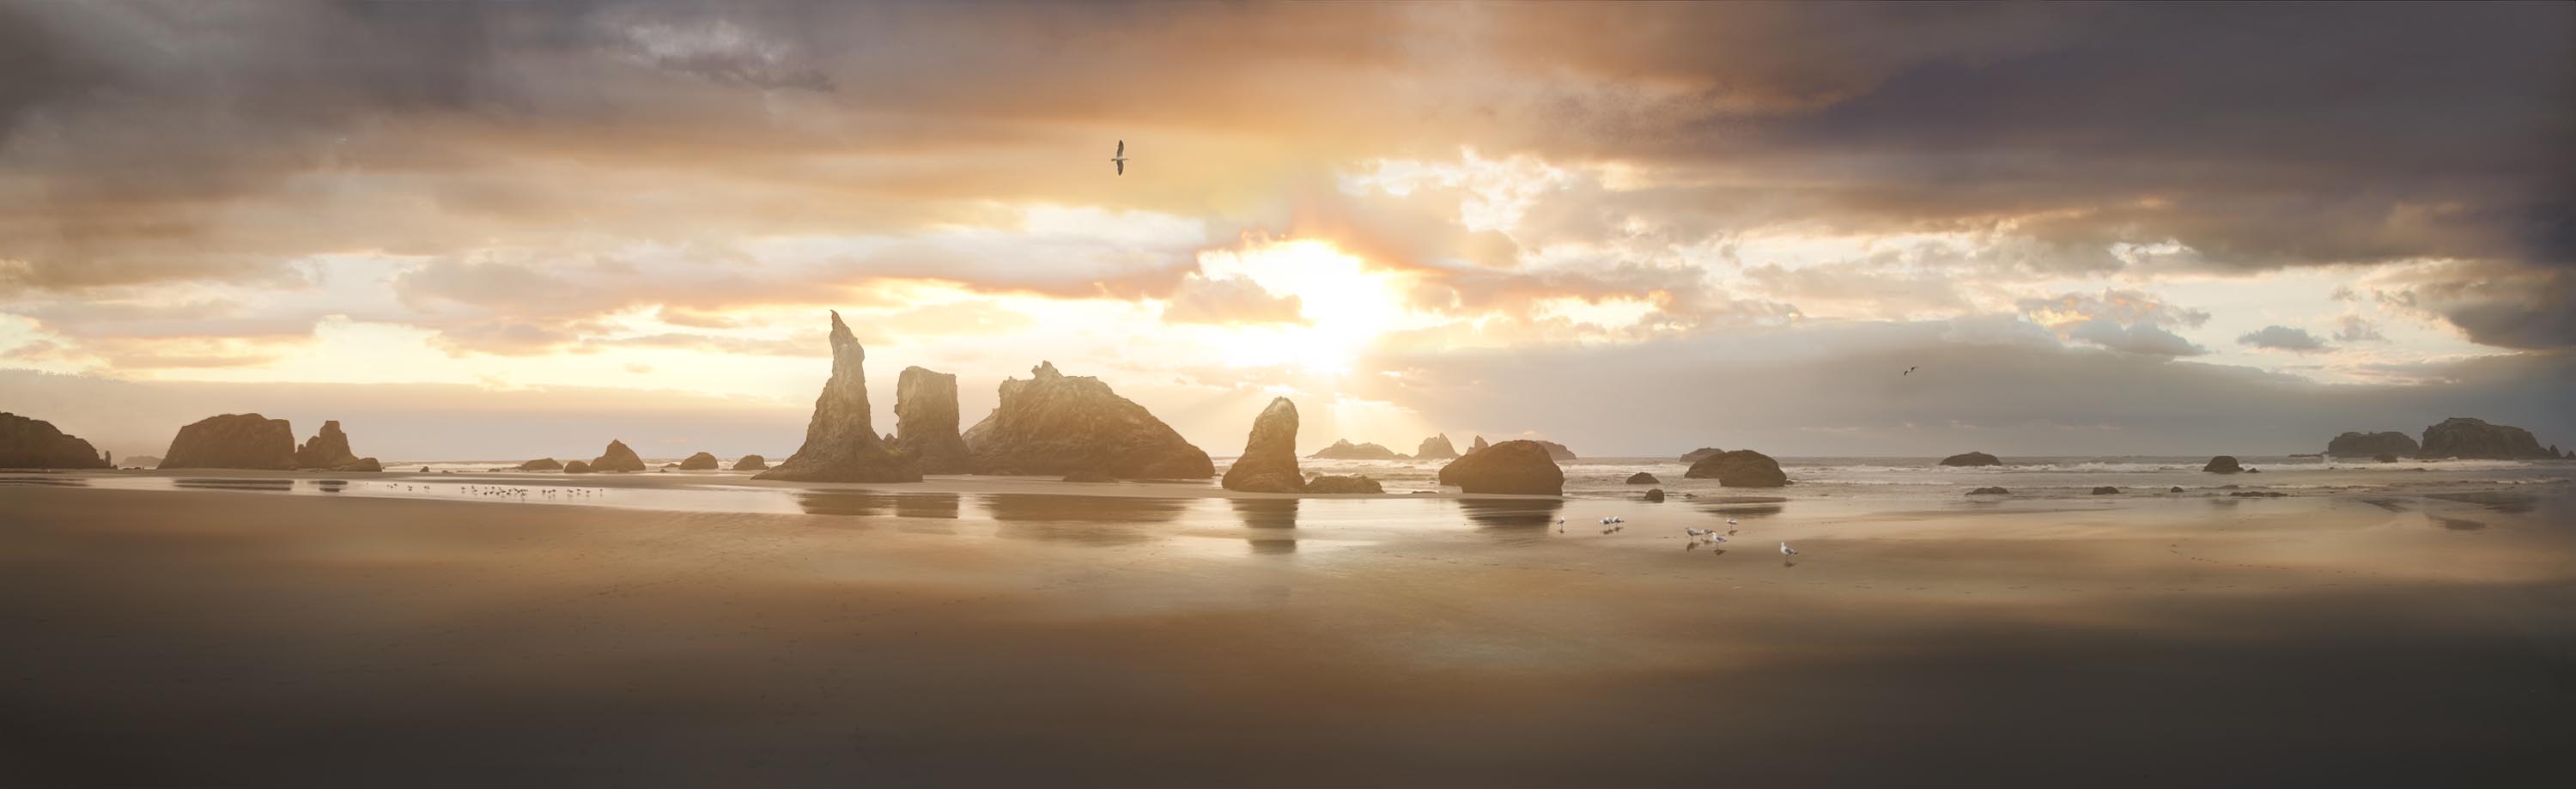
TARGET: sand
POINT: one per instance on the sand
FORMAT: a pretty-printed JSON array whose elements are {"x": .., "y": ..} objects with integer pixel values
[{"x": 1022, "y": 635}]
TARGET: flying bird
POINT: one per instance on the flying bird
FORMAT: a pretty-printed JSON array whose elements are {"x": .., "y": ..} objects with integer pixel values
[{"x": 1121, "y": 158}]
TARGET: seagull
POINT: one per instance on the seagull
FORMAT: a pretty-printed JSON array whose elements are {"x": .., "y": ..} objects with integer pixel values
[
  {"x": 1730, "y": 521},
  {"x": 1121, "y": 158},
  {"x": 1695, "y": 532},
  {"x": 1785, "y": 550}
]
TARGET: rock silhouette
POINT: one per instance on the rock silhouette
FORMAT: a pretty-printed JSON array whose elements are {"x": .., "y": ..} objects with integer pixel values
[
  {"x": 576, "y": 467},
  {"x": 541, "y": 464},
  {"x": 2362, "y": 445},
  {"x": 617, "y": 457},
  {"x": 243, "y": 441},
  {"x": 1971, "y": 459},
  {"x": 1742, "y": 468},
  {"x": 2105, "y": 490},
  {"x": 1990, "y": 492},
  {"x": 751, "y": 463},
  {"x": 2223, "y": 464},
  {"x": 925, "y": 421},
  {"x": 1269, "y": 461},
  {"x": 1643, "y": 478},
  {"x": 1701, "y": 453},
  {"x": 1054, "y": 423},
  {"x": 34, "y": 443},
  {"x": 328, "y": 450},
  {"x": 1435, "y": 448},
  {"x": 702, "y": 461},
  {"x": 2462, "y": 437},
  {"x": 1655, "y": 494},
  {"x": 1480, "y": 444},
  {"x": 1555, "y": 451},
  {"x": 1345, "y": 450},
  {"x": 840, "y": 443},
  {"x": 1508, "y": 467},
  {"x": 1354, "y": 483}
]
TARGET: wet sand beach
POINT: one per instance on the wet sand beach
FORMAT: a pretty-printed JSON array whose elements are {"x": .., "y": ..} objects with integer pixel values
[{"x": 236, "y": 632}]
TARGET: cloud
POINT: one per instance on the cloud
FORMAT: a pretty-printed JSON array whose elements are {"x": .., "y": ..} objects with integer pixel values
[
  {"x": 2141, "y": 339},
  {"x": 1223, "y": 300},
  {"x": 2354, "y": 328},
  {"x": 2283, "y": 338},
  {"x": 2126, "y": 321}
]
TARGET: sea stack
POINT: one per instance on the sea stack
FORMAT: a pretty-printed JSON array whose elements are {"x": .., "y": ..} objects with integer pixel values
[
  {"x": 1701, "y": 453},
  {"x": 541, "y": 464},
  {"x": 1345, "y": 450},
  {"x": 840, "y": 443},
  {"x": 2462, "y": 437},
  {"x": 242, "y": 441},
  {"x": 2223, "y": 464},
  {"x": 703, "y": 461},
  {"x": 1057, "y": 424},
  {"x": 1355, "y": 483},
  {"x": 1269, "y": 461},
  {"x": 617, "y": 457},
  {"x": 1508, "y": 467},
  {"x": 329, "y": 451},
  {"x": 751, "y": 463},
  {"x": 576, "y": 467},
  {"x": 1971, "y": 459},
  {"x": 925, "y": 421},
  {"x": 1435, "y": 448},
  {"x": 1643, "y": 478},
  {"x": 1555, "y": 451},
  {"x": 1478, "y": 446},
  {"x": 34, "y": 443},
  {"x": 2362, "y": 445},
  {"x": 1742, "y": 468}
]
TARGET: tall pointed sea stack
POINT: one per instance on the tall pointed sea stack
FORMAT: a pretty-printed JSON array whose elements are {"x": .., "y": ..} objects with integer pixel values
[
  {"x": 925, "y": 421},
  {"x": 1436, "y": 448},
  {"x": 1269, "y": 462},
  {"x": 1055, "y": 424},
  {"x": 840, "y": 444},
  {"x": 329, "y": 451}
]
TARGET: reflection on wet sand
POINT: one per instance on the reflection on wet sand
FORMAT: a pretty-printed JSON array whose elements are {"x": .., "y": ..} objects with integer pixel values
[
  {"x": 331, "y": 485},
  {"x": 927, "y": 505},
  {"x": 56, "y": 482},
  {"x": 234, "y": 484},
  {"x": 1744, "y": 510},
  {"x": 2510, "y": 503},
  {"x": 1101, "y": 520},
  {"x": 1512, "y": 513},
  {"x": 846, "y": 503},
  {"x": 1270, "y": 515}
]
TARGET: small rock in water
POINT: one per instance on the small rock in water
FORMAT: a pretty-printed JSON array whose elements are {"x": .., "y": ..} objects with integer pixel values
[
  {"x": 2105, "y": 490},
  {"x": 1655, "y": 495},
  {"x": 2258, "y": 494},
  {"x": 1990, "y": 492},
  {"x": 2174, "y": 489}
]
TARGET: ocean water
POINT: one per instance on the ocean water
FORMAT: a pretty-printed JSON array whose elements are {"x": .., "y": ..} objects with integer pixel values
[{"x": 1914, "y": 477}]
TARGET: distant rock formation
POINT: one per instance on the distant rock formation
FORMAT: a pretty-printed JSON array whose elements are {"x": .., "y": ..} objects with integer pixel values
[
  {"x": 702, "y": 461},
  {"x": 751, "y": 463},
  {"x": 2223, "y": 464},
  {"x": 143, "y": 461},
  {"x": 2105, "y": 490},
  {"x": 925, "y": 421},
  {"x": 1655, "y": 495},
  {"x": 576, "y": 467},
  {"x": 1971, "y": 459},
  {"x": 1480, "y": 444},
  {"x": 1742, "y": 468},
  {"x": 2462, "y": 437},
  {"x": 1555, "y": 451},
  {"x": 1990, "y": 492},
  {"x": 244, "y": 441},
  {"x": 1435, "y": 448},
  {"x": 840, "y": 443},
  {"x": 543, "y": 464},
  {"x": 1088, "y": 475},
  {"x": 329, "y": 451},
  {"x": 1345, "y": 450},
  {"x": 2174, "y": 489},
  {"x": 1269, "y": 461},
  {"x": 1508, "y": 467},
  {"x": 617, "y": 457},
  {"x": 1701, "y": 453},
  {"x": 1343, "y": 484},
  {"x": 1054, "y": 423},
  {"x": 34, "y": 443},
  {"x": 1643, "y": 478},
  {"x": 2362, "y": 445}
]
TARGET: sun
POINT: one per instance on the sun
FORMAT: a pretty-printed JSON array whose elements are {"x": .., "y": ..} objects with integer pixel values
[{"x": 1344, "y": 303}]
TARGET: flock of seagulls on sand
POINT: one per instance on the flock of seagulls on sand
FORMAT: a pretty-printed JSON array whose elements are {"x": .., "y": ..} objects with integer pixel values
[{"x": 1698, "y": 536}]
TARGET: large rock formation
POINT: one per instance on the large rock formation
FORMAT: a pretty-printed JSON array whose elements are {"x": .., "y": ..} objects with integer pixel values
[
  {"x": 703, "y": 461},
  {"x": 542, "y": 464},
  {"x": 840, "y": 443},
  {"x": 2222, "y": 464},
  {"x": 925, "y": 421},
  {"x": 1269, "y": 462},
  {"x": 1555, "y": 451},
  {"x": 1742, "y": 468},
  {"x": 1701, "y": 453},
  {"x": 1355, "y": 483},
  {"x": 1435, "y": 448},
  {"x": 1971, "y": 459},
  {"x": 2362, "y": 445},
  {"x": 1054, "y": 423},
  {"x": 751, "y": 463},
  {"x": 617, "y": 457},
  {"x": 247, "y": 441},
  {"x": 34, "y": 443},
  {"x": 576, "y": 467},
  {"x": 329, "y": 451},
  {"x": 1345, "y": 450},
  {"x": 1508, "y": 467},
  {"x": 2462, "y": 437}
]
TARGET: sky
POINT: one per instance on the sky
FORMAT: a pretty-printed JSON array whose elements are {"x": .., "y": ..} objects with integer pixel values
[{"x": 497, "y": 230}]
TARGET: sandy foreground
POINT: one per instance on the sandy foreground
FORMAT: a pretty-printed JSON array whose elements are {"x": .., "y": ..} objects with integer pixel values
[{"x": 237, "y": 632}]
